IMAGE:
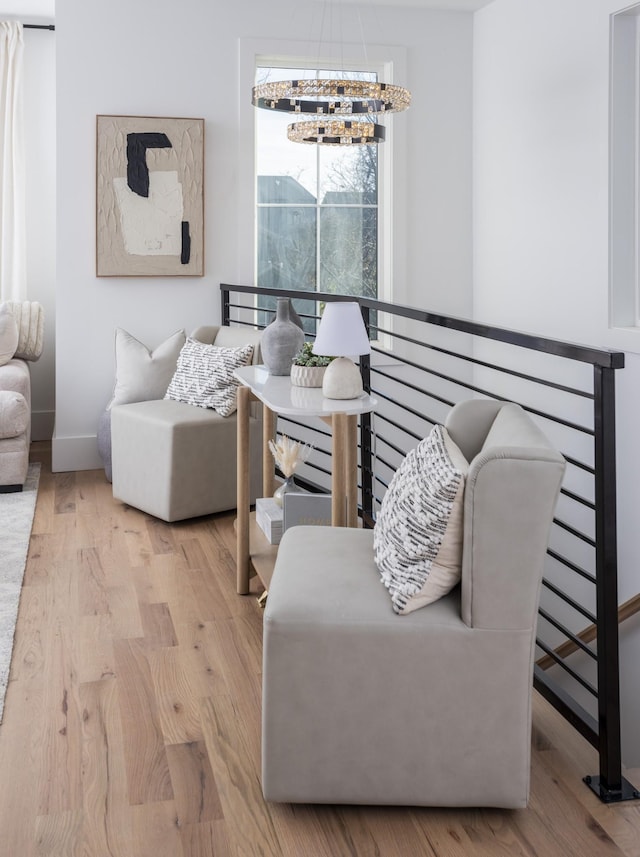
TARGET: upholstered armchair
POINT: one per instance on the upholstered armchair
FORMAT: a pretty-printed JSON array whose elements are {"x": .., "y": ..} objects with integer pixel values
[
  {"x": 365, "y": 706},
  {"x": 175, "y": 460},
  {"x": 21, "y": 343}
]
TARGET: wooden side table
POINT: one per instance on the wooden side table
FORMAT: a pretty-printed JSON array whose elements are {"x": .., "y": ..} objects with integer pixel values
[{"x": 278, "y": 396}]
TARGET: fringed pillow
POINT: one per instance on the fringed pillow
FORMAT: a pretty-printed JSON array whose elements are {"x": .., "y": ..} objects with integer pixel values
[
  {"x": 418, "y": 531},
  {"x": 204, "y": 376}
]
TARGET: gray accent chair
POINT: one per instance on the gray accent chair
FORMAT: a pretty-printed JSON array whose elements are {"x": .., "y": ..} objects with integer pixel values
[
  {"x": 178, "y": 461},
  {"x": 363, "y": 706}
]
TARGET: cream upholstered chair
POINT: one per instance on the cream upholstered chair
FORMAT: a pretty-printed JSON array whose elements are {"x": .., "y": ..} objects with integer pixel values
[
  {"x": 27, "y": 338},
  {"x": 433, "y": 708},
  {"x": 175, "y": 460}
]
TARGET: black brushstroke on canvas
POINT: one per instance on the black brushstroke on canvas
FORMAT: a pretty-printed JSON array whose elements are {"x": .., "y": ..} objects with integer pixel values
[
  {"x": 137, "y": 170},
  {"x": 186, "y": 243}
]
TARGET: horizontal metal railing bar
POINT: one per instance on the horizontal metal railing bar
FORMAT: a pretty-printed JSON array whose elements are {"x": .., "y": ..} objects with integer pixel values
[
  {"x": 568, "y": 634},
  {"x": 572, "y": 711},
  {"x": 482, "y": 363},
  {"x": 386, "y": 463},
  {"x": 240, "y": 323},
  {"x": 565, "y": 666},
  {"x": 257, "y": 309},
  {"x": 385, "y": 418},
  {"x": 313, "y": 466},
  {"x": 560, "y": 348},
  {"x": 581, "y": 464},
  {"x": 375, "y": 370},
  {"x": 572, "y": 351},
  {"x": 572, "y": 565},
  {"x": 578, "y": 499},
  {"x": 574, "y": 532},
  {"x": 398, "y": 449},
  {"x": 404, "y": 407},
  {"x": 555, "y": 419},
  {"x": 475, "y": 389},
  {"x": 579, "y": 608},
  {"x": 300, "y": 424}
]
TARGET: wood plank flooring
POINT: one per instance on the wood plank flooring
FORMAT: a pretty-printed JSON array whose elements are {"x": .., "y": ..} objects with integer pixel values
[{"x": 132, "y": 718}]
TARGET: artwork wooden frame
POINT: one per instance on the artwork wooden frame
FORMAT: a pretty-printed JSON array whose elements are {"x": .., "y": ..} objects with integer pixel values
[{"x": 149, "y": 196}]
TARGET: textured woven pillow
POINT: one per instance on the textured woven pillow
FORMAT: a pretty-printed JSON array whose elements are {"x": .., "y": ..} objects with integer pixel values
[
  {"x": 418, "y": 532},
  {"x": 204, "y": 376},
  {"x": 8, "y": 334}
]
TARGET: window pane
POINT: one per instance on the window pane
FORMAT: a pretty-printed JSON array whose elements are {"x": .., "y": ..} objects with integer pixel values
[
  {"x": 349, "y": 176},
  {"x": 348, "y": 251},
  {"x": 287, "y": 247}
]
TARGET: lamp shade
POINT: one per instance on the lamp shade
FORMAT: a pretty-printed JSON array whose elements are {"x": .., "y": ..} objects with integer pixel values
[{"x": 341, "y": 332}]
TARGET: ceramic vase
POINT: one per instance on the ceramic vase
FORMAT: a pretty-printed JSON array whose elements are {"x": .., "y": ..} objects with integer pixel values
[
  {"x": 287, "y": 486},
  {"x": 281, "y": 340}
]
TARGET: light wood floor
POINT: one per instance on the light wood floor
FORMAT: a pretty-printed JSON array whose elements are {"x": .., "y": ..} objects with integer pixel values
[{"x": 132, "y": 718}]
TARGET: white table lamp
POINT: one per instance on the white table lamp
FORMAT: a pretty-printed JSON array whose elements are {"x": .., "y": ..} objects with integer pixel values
[{"x": 342, "y": 334}]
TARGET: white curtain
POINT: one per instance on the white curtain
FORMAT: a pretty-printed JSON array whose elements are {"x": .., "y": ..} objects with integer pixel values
[{"x": 13, "y": 255}]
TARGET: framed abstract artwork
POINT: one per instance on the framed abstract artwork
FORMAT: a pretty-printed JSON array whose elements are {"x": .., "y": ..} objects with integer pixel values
[{"x": 149, "y": 197}]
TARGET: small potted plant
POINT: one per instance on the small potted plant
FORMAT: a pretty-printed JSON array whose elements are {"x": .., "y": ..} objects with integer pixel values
[{"x": 307, "y": 368}]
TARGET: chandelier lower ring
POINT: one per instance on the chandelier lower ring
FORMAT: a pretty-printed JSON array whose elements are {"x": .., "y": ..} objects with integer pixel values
[{"x": 336, "y": 132}]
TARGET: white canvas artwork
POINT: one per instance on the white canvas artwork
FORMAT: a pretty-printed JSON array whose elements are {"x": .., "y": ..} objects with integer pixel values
[
  {"x": 149, "y": 196},
  {"x": 152, "y": 225}
]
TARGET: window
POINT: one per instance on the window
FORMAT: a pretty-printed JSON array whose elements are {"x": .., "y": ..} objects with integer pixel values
[{"x": 317, "y": 206}]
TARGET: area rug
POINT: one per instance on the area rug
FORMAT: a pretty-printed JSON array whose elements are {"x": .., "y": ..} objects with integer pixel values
[{"x": 16, "y": 520}]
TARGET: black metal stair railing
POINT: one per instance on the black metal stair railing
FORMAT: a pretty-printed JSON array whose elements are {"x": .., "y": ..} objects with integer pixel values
[{"x": 421, "y": 364}]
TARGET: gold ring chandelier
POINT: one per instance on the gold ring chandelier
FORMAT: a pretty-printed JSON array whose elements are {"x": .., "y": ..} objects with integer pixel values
[{"x": 333, "y": 98}]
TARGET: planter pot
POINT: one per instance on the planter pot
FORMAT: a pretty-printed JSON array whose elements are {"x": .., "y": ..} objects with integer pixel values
[{"x": 307, "y": 376}]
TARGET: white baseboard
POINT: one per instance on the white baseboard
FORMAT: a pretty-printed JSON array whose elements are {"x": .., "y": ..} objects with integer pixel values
[{"x": 75, "y": 453}]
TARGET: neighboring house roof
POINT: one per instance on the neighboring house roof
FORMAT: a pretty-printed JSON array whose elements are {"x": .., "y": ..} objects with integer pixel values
[{"x": 281, "y": 189}]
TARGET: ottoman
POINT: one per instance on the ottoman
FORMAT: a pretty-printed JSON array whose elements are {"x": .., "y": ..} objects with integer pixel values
[{"x": 178, "y": 461}]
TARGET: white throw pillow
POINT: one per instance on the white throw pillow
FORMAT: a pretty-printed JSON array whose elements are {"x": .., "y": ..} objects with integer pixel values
[
  {"x": 14, "y": 414},
  {"x": 204, "y": 376},
  {"x": 418, "y": 531},
  {"x": 8, "y": 334},
  {"x": 141, "y": 374}
]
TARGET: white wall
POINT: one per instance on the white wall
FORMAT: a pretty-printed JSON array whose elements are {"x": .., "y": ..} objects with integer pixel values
[
  {"x": 541, "y": 245},
  {"x": 40, "y": 139},
  {"x": 156, "y": 57}
]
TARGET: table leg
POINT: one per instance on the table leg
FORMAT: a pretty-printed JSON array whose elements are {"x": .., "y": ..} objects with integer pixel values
[
  {"x": 339, "y": 441},
  {"x": 351, "y": 469},
  {"x": 242, "y": 474},
  {"x": 269, "y": 420}
]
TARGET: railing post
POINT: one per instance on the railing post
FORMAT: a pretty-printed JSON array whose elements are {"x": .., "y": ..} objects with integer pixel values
[
  {"x": 366, "y": 445},
  {"x": 224, "y": 299},
  {"x": 609, "y": 785}
]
